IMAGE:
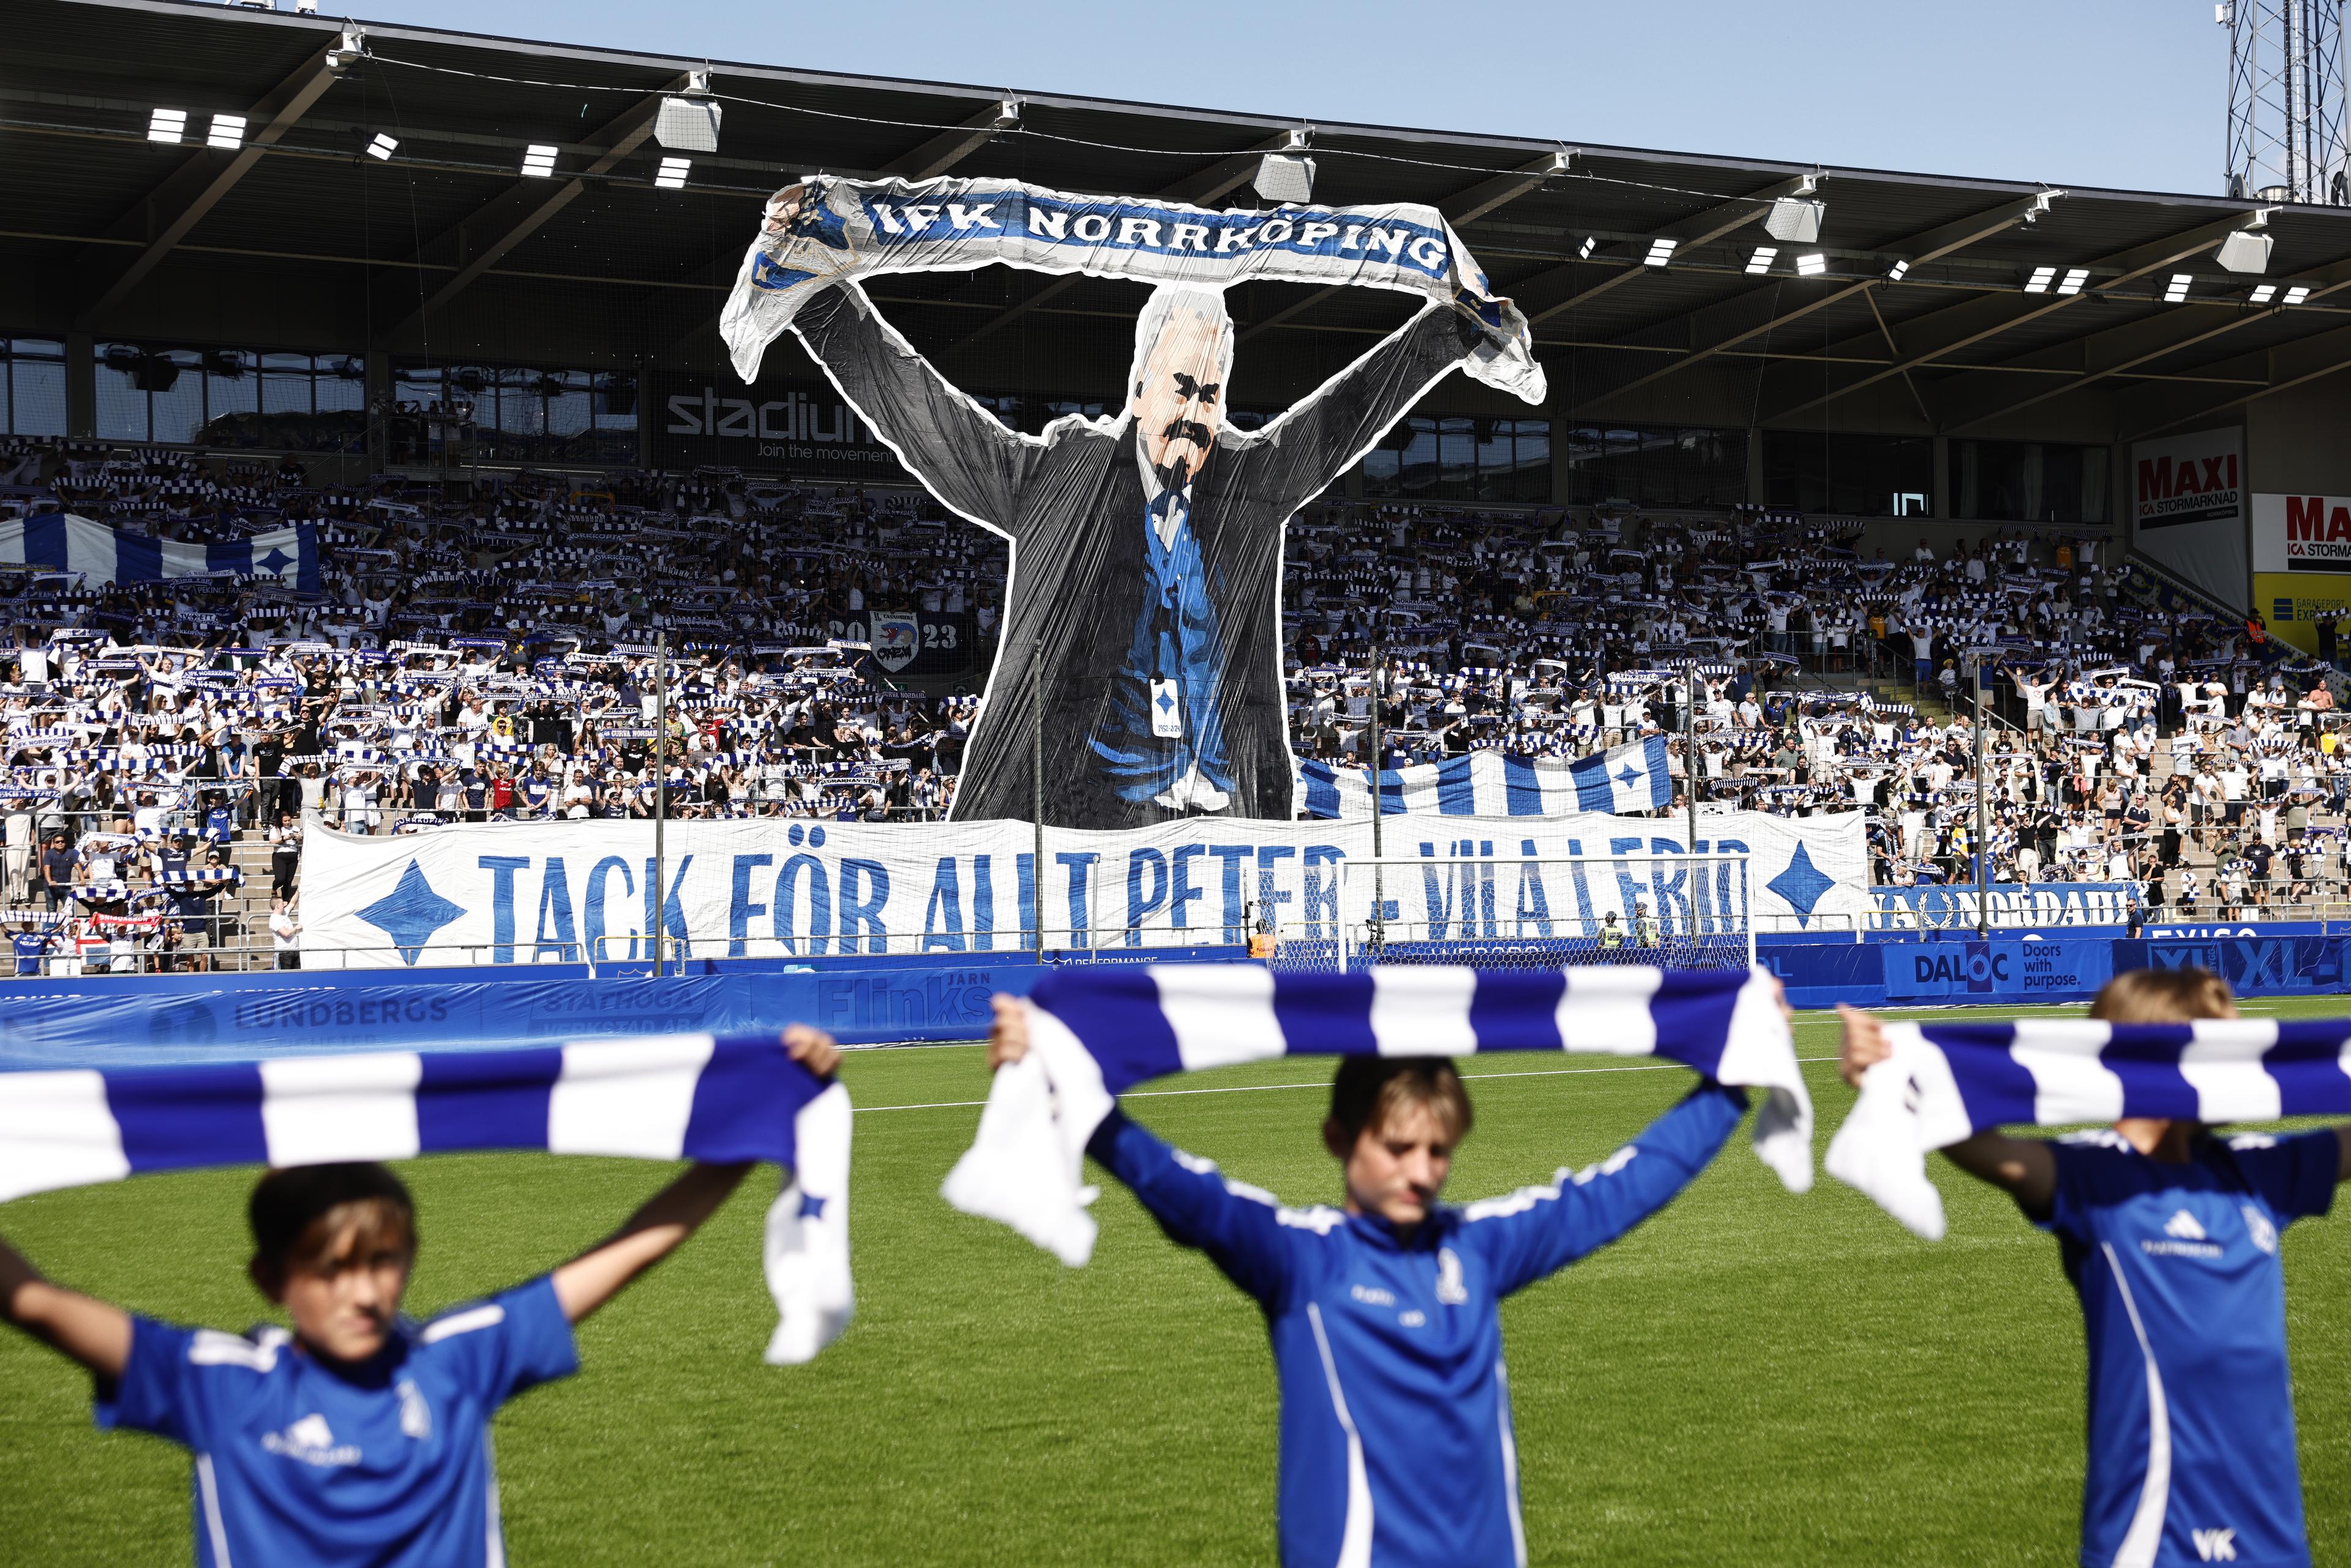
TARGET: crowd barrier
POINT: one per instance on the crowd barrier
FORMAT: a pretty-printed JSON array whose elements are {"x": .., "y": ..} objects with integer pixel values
[{"x": 130, "y": 1020}]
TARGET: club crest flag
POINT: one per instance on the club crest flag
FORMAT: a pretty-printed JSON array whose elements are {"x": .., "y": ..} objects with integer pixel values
[{"x": 863, "y": 228}]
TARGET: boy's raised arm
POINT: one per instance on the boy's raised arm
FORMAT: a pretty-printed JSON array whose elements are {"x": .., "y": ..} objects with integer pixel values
[
  {"x": 93, "y": 1332},
  {"x": 665, "y": 1219},
  {"x": 2023, "y": 1166}
]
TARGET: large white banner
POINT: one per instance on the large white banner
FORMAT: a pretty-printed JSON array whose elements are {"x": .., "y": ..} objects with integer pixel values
[
  {"x": 767, "y": 887},
  {"x": 2189, "y": 509}
]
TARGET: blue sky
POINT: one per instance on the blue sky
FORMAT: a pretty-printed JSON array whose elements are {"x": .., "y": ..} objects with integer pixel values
[{"x": 2125, "y": 93}]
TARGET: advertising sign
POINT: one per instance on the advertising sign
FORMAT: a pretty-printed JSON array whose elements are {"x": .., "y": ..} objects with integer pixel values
[
  {"x": 2188, "y": 507},
  {"x": 2302, "y": 563},
  {"x": 802, "y": 429}
]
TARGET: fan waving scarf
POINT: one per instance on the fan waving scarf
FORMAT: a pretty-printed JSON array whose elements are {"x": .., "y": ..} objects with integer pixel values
[
  {"x": 701, "y": 1097},
  {"x": 1096, "y": 1033},
  {"x": 1944, "y": 1082}
]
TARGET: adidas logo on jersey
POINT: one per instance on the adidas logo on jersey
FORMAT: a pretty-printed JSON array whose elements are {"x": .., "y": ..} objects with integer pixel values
[
  {"x": 312, "y": 1441},
  {"x": 2215, "y": 1545},
  {"x": 2183, "y": 1226}
]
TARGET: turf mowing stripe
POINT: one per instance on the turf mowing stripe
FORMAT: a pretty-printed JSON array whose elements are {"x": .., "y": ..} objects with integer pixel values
[{"x": 1311, "y": 1083}]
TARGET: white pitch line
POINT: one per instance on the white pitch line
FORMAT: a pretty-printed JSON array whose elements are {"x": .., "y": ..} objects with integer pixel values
[{"x": 1311, "y": 1083}]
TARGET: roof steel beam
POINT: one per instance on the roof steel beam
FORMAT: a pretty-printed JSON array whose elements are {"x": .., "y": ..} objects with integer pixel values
[
  {"x": 1919, "y": 250},
  {"x": 479, "y": 243},
  {"x": 949, "y": 148},
  {"x": 1468, "y": 206},
  {"x": 1219, "y": 180},
  {"x": 172, "y": 210},
  {"x": 2289, "y": 365},
  {"x": 1699, "y": 228},
  {"x": 1942, "y": 333}
]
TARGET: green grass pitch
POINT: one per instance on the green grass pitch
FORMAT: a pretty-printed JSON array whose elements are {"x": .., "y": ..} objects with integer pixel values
[{"x": 1752, "y": 1378}]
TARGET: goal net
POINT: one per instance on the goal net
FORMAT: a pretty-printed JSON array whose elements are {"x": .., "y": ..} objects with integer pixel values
[{"x": 1681, "y": 911}]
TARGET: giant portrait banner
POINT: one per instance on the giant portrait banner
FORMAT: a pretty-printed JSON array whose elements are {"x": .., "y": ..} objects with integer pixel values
[
  {"x": 864, "y": 228},
  {"x": 504, "y": 893},
  {"x": 1138, "y": 674}
]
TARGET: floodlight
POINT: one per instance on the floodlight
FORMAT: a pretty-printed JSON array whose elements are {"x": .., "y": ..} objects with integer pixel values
[
  {"x": 167, "y": 125},
  {"x": 672, "y": 174},
  {"x": 1761, "y": 260},
  {"x": 2177, "y": 290},
  {"x": 2042, "y": 277},
  {"x": 1812, "y": 264},
  {"x": 383, "y": 146},
  {"x": 2264, "y": 294},
  {"x": 227, "y": 131},
  {"x": 1661, "y": 251},
  {"x": 1795, "y": 220},
  {"x": 1897, "y": 272},
  {"x": 2297, "y": 294},
  {"x": 1285, "y": 177},
  {"x": 2245, "y": 251},
  {"x": 349, "y": 50},
  {"x": 538, "y": 160},
  {"x": 689, "y": 123},
  {"x": 1583, "y": 251},
  {"x": 2076, "y": 279}
]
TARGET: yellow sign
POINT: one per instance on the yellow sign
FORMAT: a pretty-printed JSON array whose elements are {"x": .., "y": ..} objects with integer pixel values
[{"x": 2292, "y": 602}]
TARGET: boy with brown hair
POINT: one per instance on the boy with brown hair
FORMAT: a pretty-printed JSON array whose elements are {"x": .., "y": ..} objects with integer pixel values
[
  {"x": 2168, "y": 1235},
  {"x": 361, "y": 1436}
]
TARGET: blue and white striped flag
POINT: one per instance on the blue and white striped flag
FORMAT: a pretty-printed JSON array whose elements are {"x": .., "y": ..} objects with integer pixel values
[
  {"x": 1945, "y": 1082},
  {"x": 1095, "y": 1032},
  {"x": 1496, "y": 784},
  {"x": 59, "y": 541},
  {"x": 701, "y": 1097}
]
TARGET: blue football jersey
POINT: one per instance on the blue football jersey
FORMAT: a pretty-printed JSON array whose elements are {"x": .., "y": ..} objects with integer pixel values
[
  {"x": 1396, "y": 1441},
  {"x": 2191, "y": 1446},
  {"x": 389, "y": 1464}
]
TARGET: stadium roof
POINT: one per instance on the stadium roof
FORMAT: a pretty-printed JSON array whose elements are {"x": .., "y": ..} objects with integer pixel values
[{"x": 437, "y": 248}]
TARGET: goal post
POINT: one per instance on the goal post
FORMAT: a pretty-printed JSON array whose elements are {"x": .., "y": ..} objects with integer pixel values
[{"x": 1680, "y": 911}]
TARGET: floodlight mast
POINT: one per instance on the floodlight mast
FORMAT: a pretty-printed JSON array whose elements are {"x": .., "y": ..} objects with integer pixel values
[{"x": 2289, "y": 101}]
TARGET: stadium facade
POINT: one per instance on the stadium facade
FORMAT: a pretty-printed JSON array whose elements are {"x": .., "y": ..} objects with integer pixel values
[{"x": 1946, "y": 349}]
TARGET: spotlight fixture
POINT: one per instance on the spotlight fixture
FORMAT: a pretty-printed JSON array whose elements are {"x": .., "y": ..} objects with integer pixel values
[
  {"x": 1661, "y": 251},
  {"x": 1812, "y": 264},
  {"x": 2264, "y": 294},
  {"x": 2177, "y": 290},
  {"x": 1794, "y": 219},
  {"x": 2042, "y": 277},
  {"x": 1761, "y": 260},
  {"x": 2297, "y": 294},
  {"x": 1897, "y": 272},
  {"x": 349, "y": 50},
  {"x": 672, "y": 174},
  {"x": 689, "y": 122},
  {"x": 383, "y": 146},
  {"x": 1583, "y": 251},
  {"x": 2076, "y": 279},
  {"x": 1286, "y": 176},
  {"x": 167, "y": 125},
  {"x": 2245, "y": 251},
  {"x": 227, "y": 131},
  {"x": 538, "y": 160}
]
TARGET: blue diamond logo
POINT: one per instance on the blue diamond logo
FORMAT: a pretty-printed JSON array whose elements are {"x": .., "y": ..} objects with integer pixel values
[
  {"x": 410, "y": 914},
  {"x": 1166, "y": 701},
  {"x": 276, "y": 561},
  {"x": 1801, "y": 884},
  {"x": 812, "y": 1207},
  {"x": 1630, "y": 776}
]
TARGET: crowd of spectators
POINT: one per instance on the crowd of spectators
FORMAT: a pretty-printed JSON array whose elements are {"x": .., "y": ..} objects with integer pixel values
[{"x": 487, "y": 651}]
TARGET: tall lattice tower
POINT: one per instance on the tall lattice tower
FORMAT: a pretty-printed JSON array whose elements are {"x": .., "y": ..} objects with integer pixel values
[{"x": 2287, "y": 100}]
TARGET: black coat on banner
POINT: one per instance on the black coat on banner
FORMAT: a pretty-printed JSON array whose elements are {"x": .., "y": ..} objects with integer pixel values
[{"x": 1073, "y": 504}]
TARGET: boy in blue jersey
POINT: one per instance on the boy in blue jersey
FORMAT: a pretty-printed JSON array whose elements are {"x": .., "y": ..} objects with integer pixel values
[
  {"x": 1396, "y": 1443},
  {"x": 362, "y": 1438},
  {"x": 2170, "y": 1236}
]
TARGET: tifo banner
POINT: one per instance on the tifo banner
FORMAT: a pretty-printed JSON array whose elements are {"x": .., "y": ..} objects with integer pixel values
[
  {"x": 557, "y": 892},
  {"x": 1953, "y": 908},
  {"x": 1492, "y": 784},
  {"x": 2189, "y": 509},
  {"x": 60, "y": 541},
  {"x": 2302, "y": 563},
  {"x": 1143, "y": 620},
  {"x": 833, "y": 230}
]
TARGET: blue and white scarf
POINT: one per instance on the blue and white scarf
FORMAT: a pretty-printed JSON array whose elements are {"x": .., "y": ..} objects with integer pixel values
[
  {"x": 1095, "y": 1032},
  {"x": 1945, "y": 1082},
  {"x": 700, "y": 1097},
  {"x": 863, "y": 228}
]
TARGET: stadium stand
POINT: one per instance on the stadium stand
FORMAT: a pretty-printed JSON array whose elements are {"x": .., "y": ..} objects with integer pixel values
[{"x": 483, "y": 650}]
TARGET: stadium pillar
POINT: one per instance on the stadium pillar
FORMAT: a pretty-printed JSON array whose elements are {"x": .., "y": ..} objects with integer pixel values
[
  {"x": 1757, "y": 492},
  {"x": 1379, "y": 866},
  {"x": 82, "y": 385},
  {"x": 661, "y": 793},
  {"x": 1689, "y": 751},
  {"x": 1939, "y": 486},
  {"x": 1983, "y": 836},
  {"x": 1037, "y": 791}
]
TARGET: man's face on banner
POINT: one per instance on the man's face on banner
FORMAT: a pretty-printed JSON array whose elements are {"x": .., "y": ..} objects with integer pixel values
[{"x": 1177, "y": 404}]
